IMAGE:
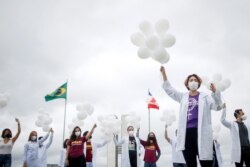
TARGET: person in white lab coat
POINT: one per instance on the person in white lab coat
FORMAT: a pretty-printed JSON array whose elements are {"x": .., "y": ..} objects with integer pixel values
[
  {"x": 31, "y": 149},
  {"x": 130, "y": 149},
  {"x": 63, "y": 154},
  {"x": 177, "y": 156},
  {"x": 194, "y": 136},
  {"x": 240, "y": 139},
  {"x": 91, "y": 150},
  {"x": 42, "y": 150}
]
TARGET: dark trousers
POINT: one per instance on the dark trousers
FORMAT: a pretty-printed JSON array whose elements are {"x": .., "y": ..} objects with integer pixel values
[
  {"x": 77, "y": 162},
  {"x": 245, "y": 157},
  {"x": 5, "y": 160},
  {"x": 191, "y": 149},
  {"x": 133, "y": 158},
  {"x": 179, "y": 165}
]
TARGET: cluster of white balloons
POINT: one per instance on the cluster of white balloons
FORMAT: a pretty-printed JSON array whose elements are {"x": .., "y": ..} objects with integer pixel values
[
  {"x": 217, "y": 79},
  {"x": 84, "y": 110},
  {"x": 168, "y": 116},
  {"x": 44, "y": 120},
  {"x": 152, "y": 41},
  {"x": 216, "y": 131},
  {"x": 4, "y": 99},
  {"x": 133, "y": 120},
  {"x": 109, "y": 125}
]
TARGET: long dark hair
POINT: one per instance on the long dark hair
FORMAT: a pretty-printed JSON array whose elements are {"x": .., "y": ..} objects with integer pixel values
[
  {"x": 154, "y": 140},
  {"x": 73, "y": 136},
  {"x": 7, "y": 129}
]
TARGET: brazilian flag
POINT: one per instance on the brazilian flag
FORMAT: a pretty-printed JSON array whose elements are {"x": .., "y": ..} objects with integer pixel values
[{"x": 61, "y": 92}]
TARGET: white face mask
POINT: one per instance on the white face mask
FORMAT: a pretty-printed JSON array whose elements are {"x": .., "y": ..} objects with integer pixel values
[
  {"x": 193, "y": 85},
  {"x": 33, "y": 138},
  {"x": 131, "y": 133},
  {"x": 244, "y": 117},
  {"x": 78, "y": 133}
]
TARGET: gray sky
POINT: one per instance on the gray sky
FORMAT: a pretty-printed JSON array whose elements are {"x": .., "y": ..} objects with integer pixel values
[{"x": 44, "y": 43}]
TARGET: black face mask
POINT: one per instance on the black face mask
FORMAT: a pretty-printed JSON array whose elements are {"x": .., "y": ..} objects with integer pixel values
[{"x": 8, "y": 136}]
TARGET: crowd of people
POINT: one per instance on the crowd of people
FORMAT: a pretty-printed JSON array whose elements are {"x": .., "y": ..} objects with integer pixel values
[{"x": 193, "y": 140}]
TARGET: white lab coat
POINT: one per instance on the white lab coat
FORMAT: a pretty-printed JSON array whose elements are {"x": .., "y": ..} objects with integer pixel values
[
  {"x": 95, "y": 146},
  {"x": 218, "y": 153},
  {"x": 125, "y": 152},
  {"x": 31, "y": 152},
  {"x": 42, "y": 153},
  {"x": 177, "y": 156},
  {"x": 234, "y": 129},
  {"x": 206, "y": 104}
]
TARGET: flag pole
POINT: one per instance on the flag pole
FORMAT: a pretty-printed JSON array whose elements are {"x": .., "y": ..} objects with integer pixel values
[
  {"x": 148, "y": 120},
  {"x": 64, "y": 122}
]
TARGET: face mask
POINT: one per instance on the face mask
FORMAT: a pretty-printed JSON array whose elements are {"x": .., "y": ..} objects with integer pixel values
[
  {"x": 193, "y": 85},
  {"x": 131, "y": 133},
  {"x": 78, "y": 133},
  {"x": 33, "y": 138},
  {"x": 8, "y": 135},
  {"x": 244, "y": 117}
]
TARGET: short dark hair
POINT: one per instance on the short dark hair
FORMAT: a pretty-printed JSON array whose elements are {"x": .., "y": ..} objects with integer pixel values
[
  {"x": 236, "y": 112},
  {"x": 7, "y": 129},
  {"x": 193, "y": 75},
  {"x": 65, "y": 143},
  {"x": 130, "y": 126},
  {"x": 85, "y": 133}
]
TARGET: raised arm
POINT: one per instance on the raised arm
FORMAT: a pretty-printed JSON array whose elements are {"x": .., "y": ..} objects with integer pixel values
[
  {"x": 173, "y": 93},
  {"x": 118, "y": 143},
  {"x": 223, "y": 118},
  {"x": 44, "y": 138},
  {"x": 216, "y": 103},
  {"x": 18, "y": 131},
  {"x": 50, "y": 139},
  {"x": 91, "y": 132},
  {"x": 166, "y": 134}
]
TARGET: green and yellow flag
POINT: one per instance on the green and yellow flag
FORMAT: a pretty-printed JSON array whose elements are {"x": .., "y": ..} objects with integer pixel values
[{"x": 61, "y": 92}]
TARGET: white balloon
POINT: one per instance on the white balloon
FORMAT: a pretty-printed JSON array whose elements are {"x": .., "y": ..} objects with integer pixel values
[
  {"x": 81, "y": 115},
  {"x": 152, "y": 42},
  {"x": 161, "y": 26},
  {"x": 88, "y": 108},
  {"x": 167, "y": 40},
  {"x": 80, "y": 107},
  {"x": 160, "y": 55},
  {"x": 146, "y": 27},
  {"x": 47, "y": 121},
  {"x": 4, "y": 99},
  {"x": 137, "y": 39},
  {"x": 46, "y": 128},
  {"x": 39, "y": 123},
  {"x": 144, "y": 53},
  {"x": 217, "y": 77},
  {"x": 165, "y": 59},
  {"x": 226, "y": 82}
]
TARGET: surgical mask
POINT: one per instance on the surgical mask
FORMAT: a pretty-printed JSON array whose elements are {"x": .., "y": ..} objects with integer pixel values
[
  {"x": 193, "y": 85},
  {"x": 78, "y": 133},
  {"x": 151, "y": 138},
  {"x": 244, "y": 117},
  {"x": 33, "y": 138},
  {"x": 8, "y": 136},
  {"x": 131, "y": 133}
]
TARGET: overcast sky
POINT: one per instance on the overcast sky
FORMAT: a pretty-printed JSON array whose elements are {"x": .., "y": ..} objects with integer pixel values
[{"x": 44, "y": 43}]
